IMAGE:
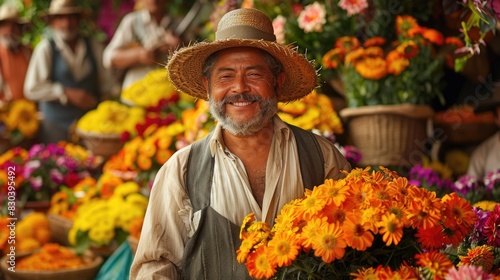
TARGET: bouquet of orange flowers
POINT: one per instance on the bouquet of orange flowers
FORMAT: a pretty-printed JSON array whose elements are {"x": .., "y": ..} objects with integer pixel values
[
  {"x": 369, "y": 225},
  {"x": 381, "y": 72}
]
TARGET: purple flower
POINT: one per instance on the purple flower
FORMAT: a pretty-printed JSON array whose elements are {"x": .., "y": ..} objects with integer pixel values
[
  {"x": 491, "y": 179},
  {"x": 36, "y": 183},
  {"x": 466, "y": 183},
  {"x": 30, "y": 167},
  {"x": 56, "y": 176}
]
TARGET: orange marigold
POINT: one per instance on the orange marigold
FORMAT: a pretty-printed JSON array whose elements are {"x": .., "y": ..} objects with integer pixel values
[
  {"x": 479, "y": 256},
  {"x": 372, "y": 68}
]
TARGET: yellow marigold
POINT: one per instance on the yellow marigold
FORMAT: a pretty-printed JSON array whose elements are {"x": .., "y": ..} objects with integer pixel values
[
  {"x": 408, "y": 48},
  {"x": 396, "y": 66},
  {"x": 347, "y": 44},
  {"x": 23, "y": 116},
  {"x": 332, "y": 59},
  {"x": 372, "y": 68},
  {"x": 374, "y": 51},
  {"x": 486, "y": 205},
  {"x": 354, "y": 57}
]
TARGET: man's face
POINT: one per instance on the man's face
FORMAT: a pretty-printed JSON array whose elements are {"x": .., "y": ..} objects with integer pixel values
[
  {"x": 242, "y": 90},
  {"x": 155, "y": 6},
  {"x": 10, "y": 34},
  {"x": 67, "y": 26}
]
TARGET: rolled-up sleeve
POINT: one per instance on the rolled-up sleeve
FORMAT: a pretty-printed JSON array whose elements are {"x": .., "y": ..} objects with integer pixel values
[{"x": 167, "y": 224}]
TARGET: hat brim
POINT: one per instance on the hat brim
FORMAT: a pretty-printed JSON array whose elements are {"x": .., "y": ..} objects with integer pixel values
[
  {"x": 185, "y": 67},
  {"x": 17, "y": 20},
  {"x": 66, "y": 11}
]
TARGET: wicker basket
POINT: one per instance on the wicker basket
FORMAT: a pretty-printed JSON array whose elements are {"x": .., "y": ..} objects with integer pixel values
[
  {"x": 88, "y": 272},
  {"x": 59, "y": 226},
  {"x": 388, "y": 135},
  {"x": 104, "y": 145},
  {"x": 465, "y": 133}
]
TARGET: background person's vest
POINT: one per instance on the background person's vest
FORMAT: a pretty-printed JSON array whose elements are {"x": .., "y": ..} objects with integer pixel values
[{"x": 211, "y": 252}]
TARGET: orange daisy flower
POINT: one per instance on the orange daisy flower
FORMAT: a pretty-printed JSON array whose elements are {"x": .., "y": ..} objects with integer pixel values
[
  {"x": 433, "y": 36},
  {"x": 329, "y": 243},
  {"x": 454, "y": 41},
  {"x": 458, "y": 212},
  {"x": 258, "y": 264},
  {"x": 310, "y": 231},
  {"x": 356, "y": 234},
  {"x": 434, "y": 264},
  {"x": 431, "y": 238},
  {"x": 374, "y": 41},
  {"x": 311, "y": 204},
  {"x": 425, "y": 209},
  {"x": 365, "y": 273},
  {"x": 391, "y": 229},
  {"x": 479, "y": 256},
  {"x": 162, "y": 155},
  {"x": 334, "y": 191},
  {"x": 283, "y": 249},
  {"x": 144, "y": 162},
  {"x": 405, "y": 23},
  {"x": 247, "y": 244},
  {"x": 334, "y": 213},
  {"x": 164, "y": 142}
]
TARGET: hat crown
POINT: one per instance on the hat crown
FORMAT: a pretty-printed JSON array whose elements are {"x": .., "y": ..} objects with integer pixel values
[
  {"x": 245, "y": 24},
  {"x": 9, "y": 11}
]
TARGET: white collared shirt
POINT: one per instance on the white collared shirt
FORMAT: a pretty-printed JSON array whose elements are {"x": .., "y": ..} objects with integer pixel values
[
  {"x": 170, "y": 220},
  {"x": 38, "y": 84}
]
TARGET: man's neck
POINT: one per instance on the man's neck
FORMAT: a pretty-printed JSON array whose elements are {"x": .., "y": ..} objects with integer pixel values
[{"x": 252, "y": 143}]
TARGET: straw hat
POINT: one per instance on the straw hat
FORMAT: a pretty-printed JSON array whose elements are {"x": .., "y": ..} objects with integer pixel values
[
  {"x": 10, "y": 12},
  {"x": 64, "y": 7},
  {"x": 242, "y": 28},
  {"x": 492, "y": 102}
]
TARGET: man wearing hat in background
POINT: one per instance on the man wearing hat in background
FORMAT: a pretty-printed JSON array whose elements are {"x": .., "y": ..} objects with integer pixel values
[
  {"x": 252, "y": 162},
  {"x": 14, "y": 56},
  {"x": 65, "y": 74},
  {"x": 486, "y": 157},
  {"x": 142, "y": 41}
]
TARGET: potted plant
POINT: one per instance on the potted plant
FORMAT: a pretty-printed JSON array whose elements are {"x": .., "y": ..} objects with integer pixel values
[{"x": 388, "y": 86}]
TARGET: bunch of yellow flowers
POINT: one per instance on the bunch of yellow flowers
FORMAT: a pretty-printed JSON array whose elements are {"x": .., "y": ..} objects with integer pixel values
[
  {"x": 99, "y": 222},
  {"x": 148, "y": 91},
  {"x": 111, "y": 117},
  {"x": 20, "y": 118},
  {"x": 313, "y": 112}
]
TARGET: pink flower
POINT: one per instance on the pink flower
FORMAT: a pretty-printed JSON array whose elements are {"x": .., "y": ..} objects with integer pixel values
[
  {"x": 312, "y": 18},
  {"x": 468, "y": 272},
  {"x": 279, "y": 28},
  {"x": 353, "y": 6}
]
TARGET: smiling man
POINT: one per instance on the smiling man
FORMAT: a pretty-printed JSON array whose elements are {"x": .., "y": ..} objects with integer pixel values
[{"x": 252, "y": 162}]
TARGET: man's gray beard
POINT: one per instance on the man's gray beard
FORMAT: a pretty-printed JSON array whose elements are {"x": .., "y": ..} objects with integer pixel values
[
  {"x": 9, "y": 42},
  {"x": 67, "y": 36},
  {"x": 268, "y": 108}
]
